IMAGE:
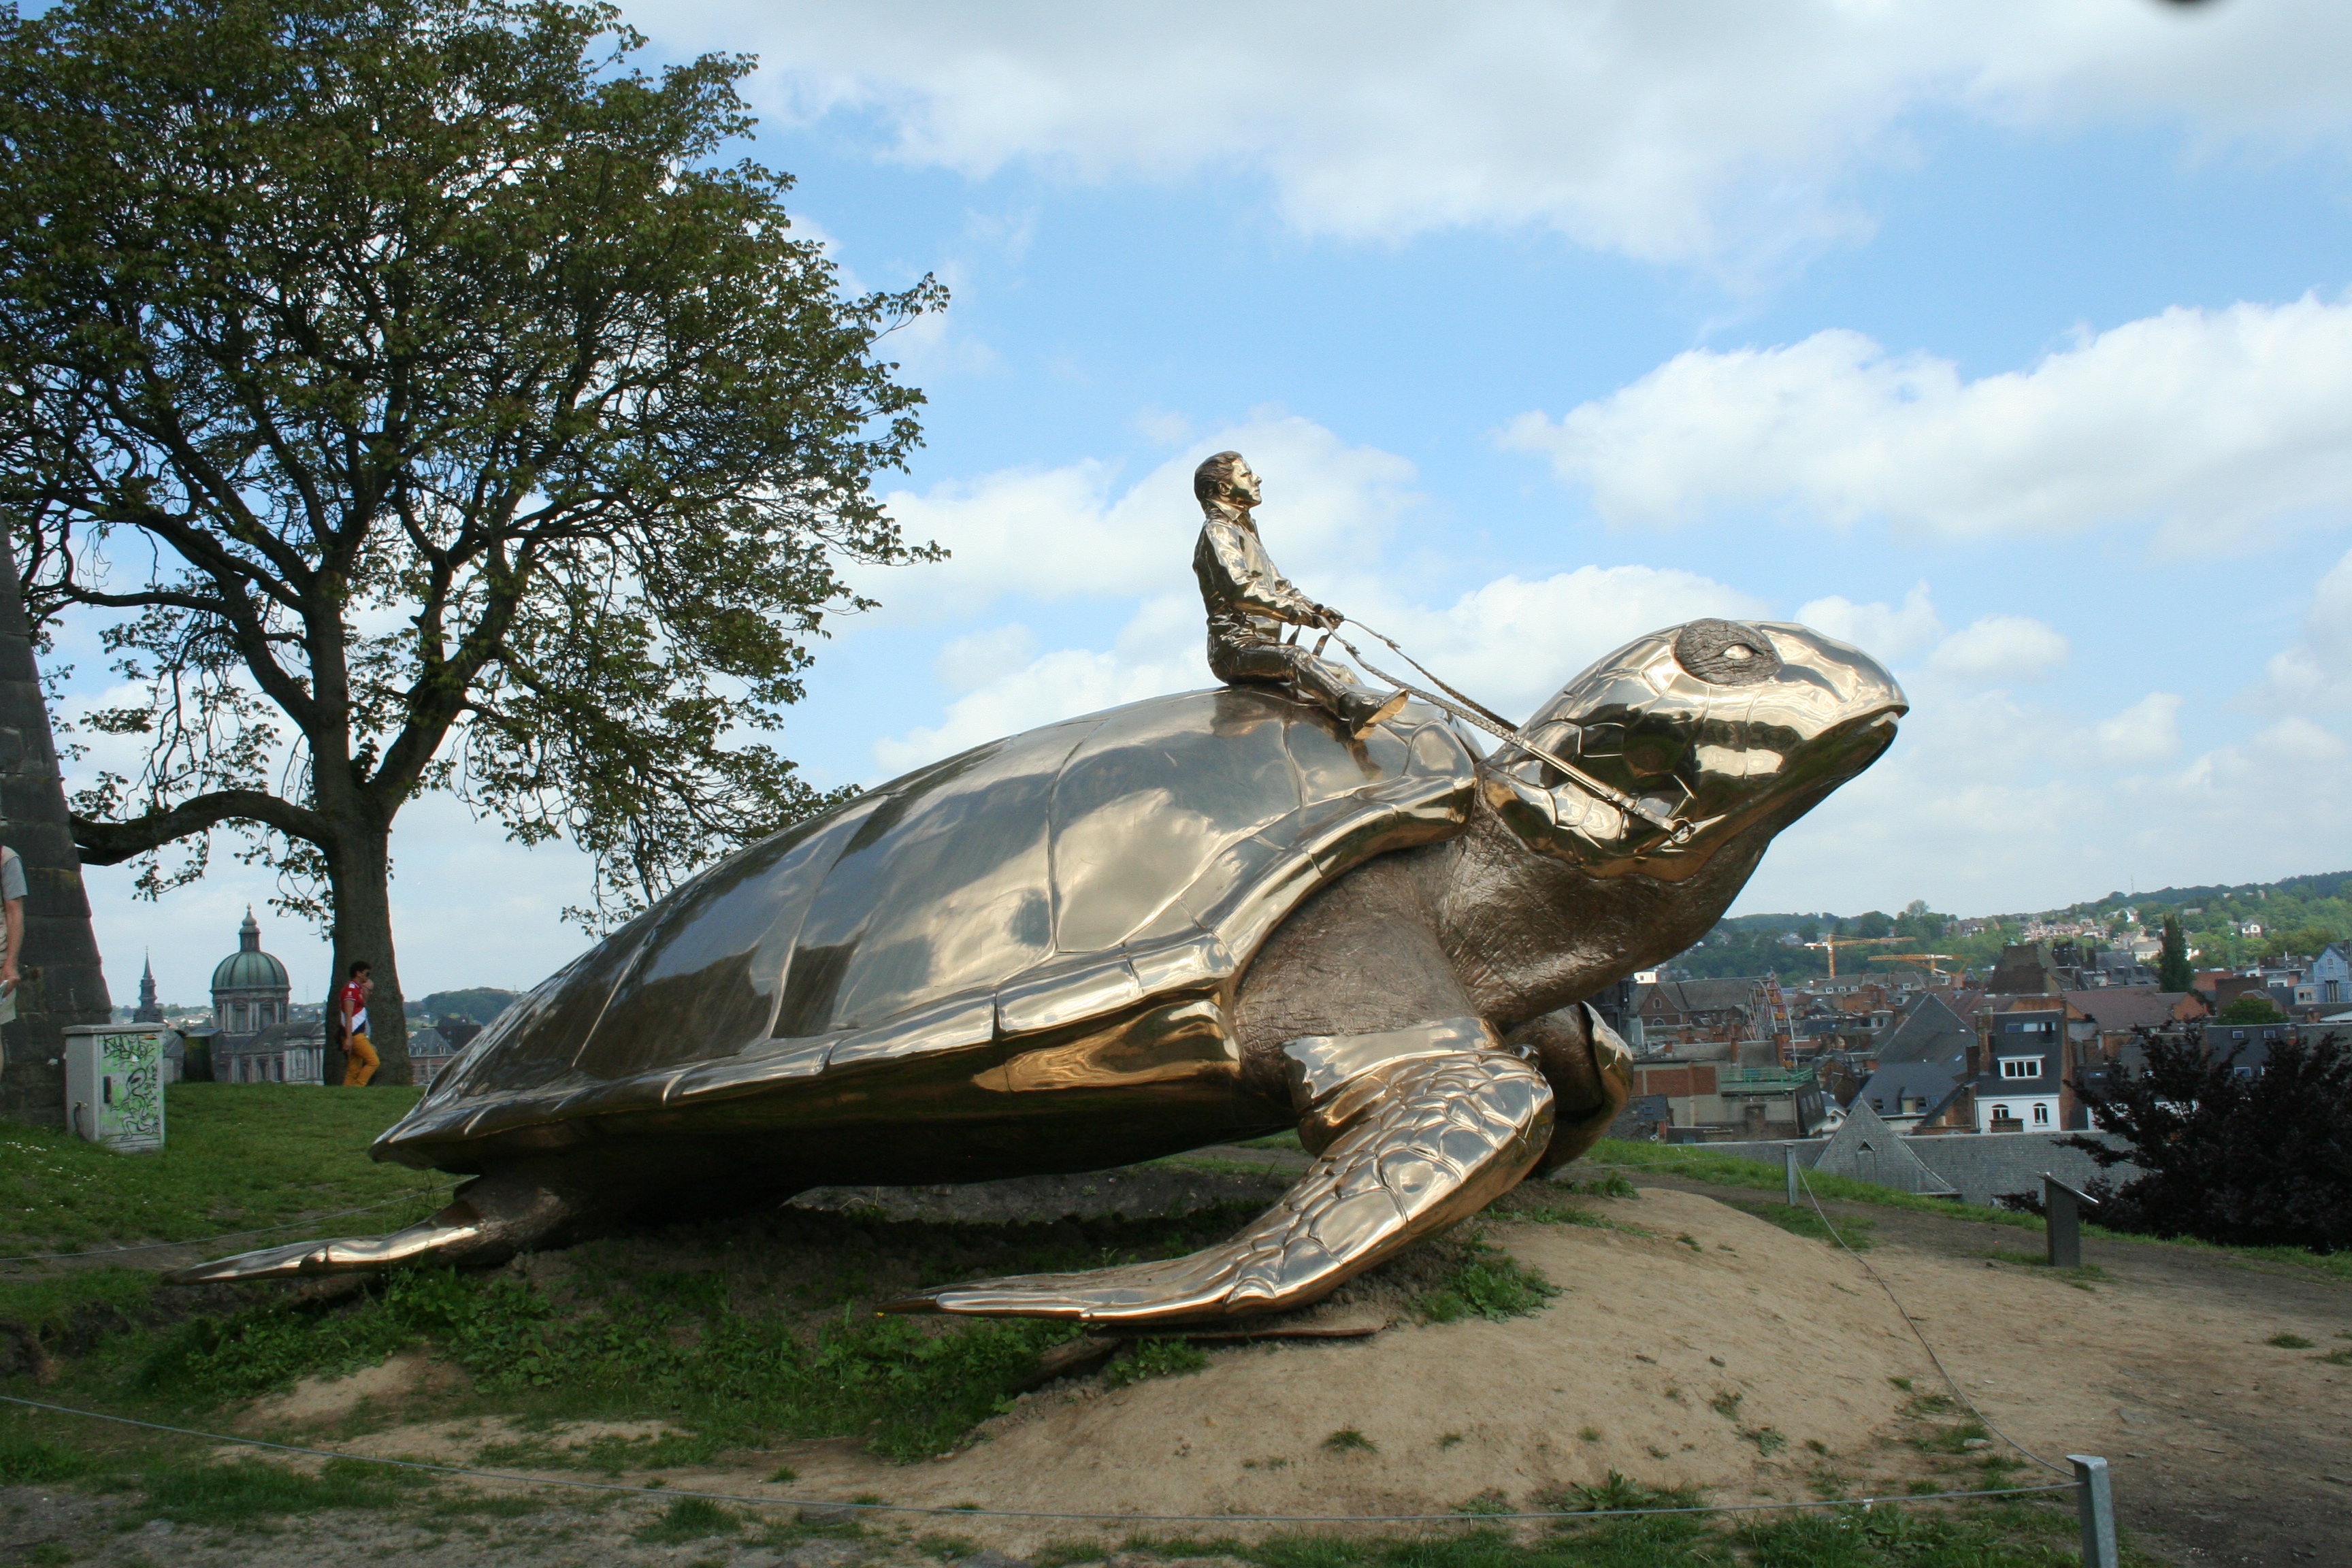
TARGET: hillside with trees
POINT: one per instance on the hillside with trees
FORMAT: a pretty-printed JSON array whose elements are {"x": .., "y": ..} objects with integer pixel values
[{"x": 2298, "y": 915}]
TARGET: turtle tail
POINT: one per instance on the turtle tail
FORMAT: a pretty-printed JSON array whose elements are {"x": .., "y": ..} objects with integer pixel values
[{"x": 490, "y": 1219}]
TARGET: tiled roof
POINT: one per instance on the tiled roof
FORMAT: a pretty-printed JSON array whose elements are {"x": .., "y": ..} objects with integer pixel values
[
  {"x": 1705, "y": 996},
  {"x": 2127, "y": 1006},
  {"x": 1932, "y": 1032}
]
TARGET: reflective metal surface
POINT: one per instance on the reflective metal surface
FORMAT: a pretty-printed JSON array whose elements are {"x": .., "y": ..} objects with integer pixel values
[
  {"x": 1415, "y": 1142},
  {"x": 1070, "y": 874},
  {"x": 1708, "y": 725},
  {"x": 1191, "y": 920}
]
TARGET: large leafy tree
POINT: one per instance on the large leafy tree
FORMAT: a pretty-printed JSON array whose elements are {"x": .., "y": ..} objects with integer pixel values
[
  {"x": 2172, "y": 970},
  {"x": 418, "y": 403},
  {"x": 2240, "y": 1152}
]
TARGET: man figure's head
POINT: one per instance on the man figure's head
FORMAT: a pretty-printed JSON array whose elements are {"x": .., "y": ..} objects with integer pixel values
[
  {"x": 1226, "y": 480},
  {"x": 360, "y": 975}
]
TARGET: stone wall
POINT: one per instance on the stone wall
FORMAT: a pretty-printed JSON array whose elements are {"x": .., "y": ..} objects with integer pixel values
[{"x": 1982, "y": 1165}]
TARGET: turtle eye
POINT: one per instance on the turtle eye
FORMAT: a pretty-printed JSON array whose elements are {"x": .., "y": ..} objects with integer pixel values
[{"x": 1725, "y": 653}]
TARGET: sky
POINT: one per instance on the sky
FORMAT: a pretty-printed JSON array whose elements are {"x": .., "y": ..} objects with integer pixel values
[{"x": 2012, "y": 342}]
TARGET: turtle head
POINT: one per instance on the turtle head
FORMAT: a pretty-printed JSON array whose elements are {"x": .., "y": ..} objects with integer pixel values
[{"x": 1684, "y": 740}]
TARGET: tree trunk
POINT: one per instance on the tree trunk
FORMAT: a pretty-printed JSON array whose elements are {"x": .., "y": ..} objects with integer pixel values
[
  {"x": 61, "y": 980},
  {"x": 359, "y": 869}
]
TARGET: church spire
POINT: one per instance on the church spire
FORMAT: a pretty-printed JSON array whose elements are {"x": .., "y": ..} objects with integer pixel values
[
  {"x": 248, "y": 935},
  {"x": 149, "y": 1010}
]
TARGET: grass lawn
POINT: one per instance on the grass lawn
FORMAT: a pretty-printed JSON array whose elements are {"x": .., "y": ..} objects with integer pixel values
[
  {"x": 237, "y": 1156},
  {"x": 1691, "y": 1162},
  {"x": 740, "y": 1334}
]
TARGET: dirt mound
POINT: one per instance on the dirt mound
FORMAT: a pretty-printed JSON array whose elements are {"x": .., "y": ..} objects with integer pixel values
[{"x": 1692, "y": 1346}]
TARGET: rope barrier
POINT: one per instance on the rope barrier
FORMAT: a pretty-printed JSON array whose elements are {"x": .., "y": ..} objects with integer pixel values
[
  {"x": 1951, "y": 1381},
  {"x": 1450, "y": 1517},
  {"x": 226, "y": 1234},
  {"x": 1471, "y": 711}
]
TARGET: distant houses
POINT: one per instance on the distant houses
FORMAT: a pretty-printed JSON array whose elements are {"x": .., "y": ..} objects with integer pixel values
[{"x": 2000, "y": 1056}]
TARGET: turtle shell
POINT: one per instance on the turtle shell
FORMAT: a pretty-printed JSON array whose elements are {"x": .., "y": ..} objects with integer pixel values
[{"x": 1070, "y": 874}]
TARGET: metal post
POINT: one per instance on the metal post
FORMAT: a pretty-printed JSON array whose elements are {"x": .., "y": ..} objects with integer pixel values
[
  {"x": 2062, "y": 1208},
  {"x": 2095, "y": 1501},
  {"x": 1789, "y": 1168}
]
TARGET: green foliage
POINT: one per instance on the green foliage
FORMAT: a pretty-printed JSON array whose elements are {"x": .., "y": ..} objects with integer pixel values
[
  {"x": 1489, "y": 1283},
  {"x": 239, "y": 1155},
  {"x": 246, "y": 1491},
  {"x": 2251, "y": 1007},
  {"x": 479, "y": 1002},
  {"x": 1613, "y": 1494},
  {"x": 2289, "y": 1341},
  {"x": 1347, "y": 1440},
  {"x": 416, "y": 378},
  {"x": 689, "y": 1519},
  {"x": 1154, "y": 1358},
  {"x": 28, "y": 1460},
  {"x": 1800, "y": 1219},
  {"x": 735, "y": 1375},
  {"x": 2172, "y": 970},
  {"x": 2257, "y": 1160}
]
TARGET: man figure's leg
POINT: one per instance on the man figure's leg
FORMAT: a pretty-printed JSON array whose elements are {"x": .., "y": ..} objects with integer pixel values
[
  {"x": 1332, "y": 686},
  {"x": 360, "y": 1061}
]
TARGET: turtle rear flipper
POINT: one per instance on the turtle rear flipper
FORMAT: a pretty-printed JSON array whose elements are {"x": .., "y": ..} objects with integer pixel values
[
  {"x": 1417, "y": 1143},
  {"x": 490, "y": 1220}
]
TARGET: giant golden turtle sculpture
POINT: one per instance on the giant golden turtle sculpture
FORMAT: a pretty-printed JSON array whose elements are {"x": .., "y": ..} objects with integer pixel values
[{"x": 1193, "y": 920}]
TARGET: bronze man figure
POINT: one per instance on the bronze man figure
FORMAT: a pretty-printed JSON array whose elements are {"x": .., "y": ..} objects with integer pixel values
[{"x": 1249, "y": 603}]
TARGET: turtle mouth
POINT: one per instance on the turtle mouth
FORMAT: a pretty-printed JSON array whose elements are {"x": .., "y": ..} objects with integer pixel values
[{"x": 1826, "y": 761}]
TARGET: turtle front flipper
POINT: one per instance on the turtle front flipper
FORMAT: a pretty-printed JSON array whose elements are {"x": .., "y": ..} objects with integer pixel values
[
  {"x": 1412, "y": 1133},
  {"x": 490, "y": 1220}
]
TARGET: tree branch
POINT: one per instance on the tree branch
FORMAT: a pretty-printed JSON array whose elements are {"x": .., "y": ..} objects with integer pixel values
[{"x": 111, "y": 843}]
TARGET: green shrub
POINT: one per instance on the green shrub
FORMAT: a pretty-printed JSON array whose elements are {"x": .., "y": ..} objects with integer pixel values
[
  {"x": 1489, "y": 1283},
  {"x": 1155, "y": 1358},
  {"x": 689, "y": 1519}
]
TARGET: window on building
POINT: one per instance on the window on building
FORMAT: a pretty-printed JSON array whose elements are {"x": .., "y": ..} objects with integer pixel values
[
  {"x": 2021, "y": 1066},
  {"x": 2042, "y": 1116},
  {"x": 2001, "y": 1113}
]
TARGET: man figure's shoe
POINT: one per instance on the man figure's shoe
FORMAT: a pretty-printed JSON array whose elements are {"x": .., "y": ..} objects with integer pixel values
[{"x": 1359, "y": 710}]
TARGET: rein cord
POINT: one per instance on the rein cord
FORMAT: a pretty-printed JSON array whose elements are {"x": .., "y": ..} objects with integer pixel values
[{"x": 1471, "y": 712}]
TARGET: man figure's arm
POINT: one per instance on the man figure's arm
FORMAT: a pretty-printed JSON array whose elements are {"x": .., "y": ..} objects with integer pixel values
[{"x": 1247, "y": 581}]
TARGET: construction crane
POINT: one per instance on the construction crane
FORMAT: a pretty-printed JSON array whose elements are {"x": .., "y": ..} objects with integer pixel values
[
  {"x": 1831, "y": 941},
  {"x": 1927, "y": 958}
]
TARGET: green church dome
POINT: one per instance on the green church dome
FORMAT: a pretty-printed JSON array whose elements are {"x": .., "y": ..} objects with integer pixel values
[{"x": 249, "y": 968}]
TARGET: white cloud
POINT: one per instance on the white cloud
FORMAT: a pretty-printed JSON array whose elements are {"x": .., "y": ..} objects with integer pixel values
[
  {"x": 1053, "y": 535},
  {"x": 1977, "y": 810},
  {"x": 2317, "y": 668},
  {"x": 2209, "y": 424},
  {"x": 1510, "y": 643},
  {"x": 1694, "y": 129},
  {"x": 2147, "y": 732},
  {"x": 1879, "y": 629},
  {"x": 1994, "y": 648},
  {"x": 969, "y": 662}
]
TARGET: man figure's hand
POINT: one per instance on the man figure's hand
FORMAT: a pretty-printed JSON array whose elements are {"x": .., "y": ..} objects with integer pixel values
[{"x": 1332, "y": 618}]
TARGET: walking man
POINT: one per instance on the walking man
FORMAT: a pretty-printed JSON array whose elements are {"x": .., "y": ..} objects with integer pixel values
[
  {"x": 352, "y": 1022},
  {"x": 1249, "y": 603}
]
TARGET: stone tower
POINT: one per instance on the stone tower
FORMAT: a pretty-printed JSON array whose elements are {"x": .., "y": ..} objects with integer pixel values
[
  {"x": 150, "y": 1011},
  {"x": 62, "y": 983}
]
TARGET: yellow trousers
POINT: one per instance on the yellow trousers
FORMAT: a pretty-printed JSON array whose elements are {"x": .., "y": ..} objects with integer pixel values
[{"x": 359, "y": 1060}]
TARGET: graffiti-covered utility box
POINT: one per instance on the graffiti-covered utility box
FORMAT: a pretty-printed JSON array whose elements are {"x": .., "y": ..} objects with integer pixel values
[{"x": 114, "y": 1085}]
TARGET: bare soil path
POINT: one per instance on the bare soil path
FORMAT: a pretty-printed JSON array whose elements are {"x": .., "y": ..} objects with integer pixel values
[{"x": 2225, "y": 1448}]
